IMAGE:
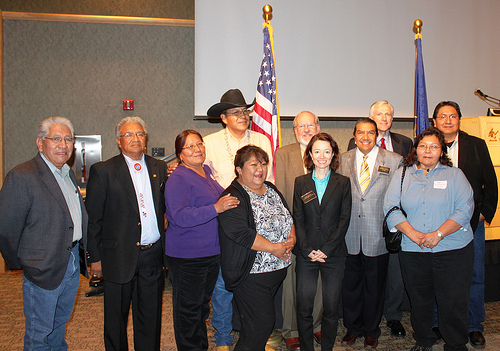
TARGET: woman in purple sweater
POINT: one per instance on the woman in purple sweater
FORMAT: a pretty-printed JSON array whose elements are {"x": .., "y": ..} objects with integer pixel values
[{"x": 191, "y": 240}]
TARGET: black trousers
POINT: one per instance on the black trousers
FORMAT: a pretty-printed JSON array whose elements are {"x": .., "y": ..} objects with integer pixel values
[
  {"x": 255, "y": 301},
  {"x": 332, "y": 273},
  {"x": 145, "y": 292},
  {"x": 363, "y": 293},
  {"x": 444, "y": 277},
  {"x": 193, "y": 281}
]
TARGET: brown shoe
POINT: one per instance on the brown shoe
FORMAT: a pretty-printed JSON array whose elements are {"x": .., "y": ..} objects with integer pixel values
[
  {"x": 349, "y": 339},
  {"x": 317, "y": 337},
  {"x": 292, "y": 344},
  {"x": 371, "y": 343}
]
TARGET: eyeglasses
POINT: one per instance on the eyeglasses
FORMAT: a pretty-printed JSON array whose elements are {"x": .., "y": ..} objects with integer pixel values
[
  {"x": 239, "y": 113},
  {"x": 58, "y": 140},
  {"x": 308, "y": 125},
  {"x": 129, "y": 135},
  {"x": 432, "y": 147},
  {"x": 443, "y": 117},
  {"x": 193, "y": 146}
]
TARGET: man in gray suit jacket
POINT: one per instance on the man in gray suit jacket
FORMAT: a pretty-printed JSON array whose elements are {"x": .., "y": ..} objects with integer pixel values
[
  {"x": 382, "y": 113},
  {"x": 290, "y": 165},
  {"x": 370, "y": 169},
  {"x": 43, "y": 230}
]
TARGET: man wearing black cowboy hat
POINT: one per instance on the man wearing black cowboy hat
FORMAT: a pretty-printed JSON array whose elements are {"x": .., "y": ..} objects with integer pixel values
[{"x": 221, "y": 148}]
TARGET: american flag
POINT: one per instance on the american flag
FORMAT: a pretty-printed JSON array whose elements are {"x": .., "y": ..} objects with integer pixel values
[{"x": 266, "y": 110}]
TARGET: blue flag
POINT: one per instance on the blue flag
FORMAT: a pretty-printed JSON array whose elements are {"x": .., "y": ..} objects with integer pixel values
[{"x": 421, "y": 111}]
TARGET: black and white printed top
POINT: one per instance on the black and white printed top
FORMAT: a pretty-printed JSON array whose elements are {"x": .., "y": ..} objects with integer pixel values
[{"x": 273, "y": 222}]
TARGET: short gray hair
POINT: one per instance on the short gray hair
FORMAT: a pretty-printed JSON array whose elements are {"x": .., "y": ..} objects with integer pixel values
[
  {"x": 380, "y": 103},
  {"x": 44, "y": 126},
  {"x": 125, "y": 120}
]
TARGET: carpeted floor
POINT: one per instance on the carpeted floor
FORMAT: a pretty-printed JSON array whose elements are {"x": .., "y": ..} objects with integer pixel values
[{"x": 84, "y": 332}]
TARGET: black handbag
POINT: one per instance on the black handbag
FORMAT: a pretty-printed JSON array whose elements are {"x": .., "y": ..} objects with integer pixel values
[{"x": 393, "y": 239}]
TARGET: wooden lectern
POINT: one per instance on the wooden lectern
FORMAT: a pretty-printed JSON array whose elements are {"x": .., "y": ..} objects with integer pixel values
[{"x": 487, "y": 128}]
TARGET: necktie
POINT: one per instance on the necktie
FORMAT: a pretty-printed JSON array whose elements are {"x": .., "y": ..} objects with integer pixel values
[
  {"x": 382, "y": 143},
  {"x": 364, "y": 175}
]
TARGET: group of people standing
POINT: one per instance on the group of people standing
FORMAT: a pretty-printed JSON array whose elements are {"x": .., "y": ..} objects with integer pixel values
[{"x": 292, "y": 242}]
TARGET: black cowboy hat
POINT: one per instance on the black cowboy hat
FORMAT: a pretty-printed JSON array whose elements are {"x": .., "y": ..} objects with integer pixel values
[{"x": 231, "y": 98}]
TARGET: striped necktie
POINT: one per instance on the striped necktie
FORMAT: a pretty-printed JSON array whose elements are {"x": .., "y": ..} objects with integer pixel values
[{"x": 364, "y": 175}]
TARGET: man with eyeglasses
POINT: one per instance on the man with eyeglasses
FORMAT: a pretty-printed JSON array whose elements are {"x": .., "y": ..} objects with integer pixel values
[
  {"x": 126, "y": 205},
  {"x": 43, "y": 230},
  {"x": 471, "y": 155},
  {"x": 290, "y": 165},
  {"x": 382, "y": 112},
  {"x": 221, "y": 149}
]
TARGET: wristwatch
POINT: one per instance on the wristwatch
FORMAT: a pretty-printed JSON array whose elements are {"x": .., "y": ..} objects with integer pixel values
[{"x": 440, "y": 235}]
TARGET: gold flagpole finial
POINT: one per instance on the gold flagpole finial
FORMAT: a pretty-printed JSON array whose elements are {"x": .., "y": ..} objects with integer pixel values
[
  {"x": 268, "y": 13},
  {"x": 417, "y": 26}
]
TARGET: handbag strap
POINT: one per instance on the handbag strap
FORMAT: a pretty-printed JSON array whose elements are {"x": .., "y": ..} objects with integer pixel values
[{"x": 401, "y": 190}]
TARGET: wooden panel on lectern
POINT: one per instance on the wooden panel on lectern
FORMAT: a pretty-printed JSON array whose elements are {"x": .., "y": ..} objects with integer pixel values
[{"x": 487, "y": 128}]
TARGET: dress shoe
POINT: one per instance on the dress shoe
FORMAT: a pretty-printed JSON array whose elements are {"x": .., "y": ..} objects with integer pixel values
[
  {"x": 317, "y": 337},
  {"x": 222, "y": 348},
  {"x": 371, "y": 343},
  {"x": 349, "y": 339},
  {"x": 397, "y": 328},
  {"x": 438, "y": 333},
  {"x": 476, "y": 340},
  {"x": 292, "y": 344}
]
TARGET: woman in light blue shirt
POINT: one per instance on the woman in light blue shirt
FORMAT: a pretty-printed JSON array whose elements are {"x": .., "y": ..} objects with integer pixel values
[{"x": 437, "y": 251}]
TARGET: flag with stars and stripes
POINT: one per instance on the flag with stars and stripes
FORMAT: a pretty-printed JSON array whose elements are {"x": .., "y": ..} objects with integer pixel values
[
  {"x": 266, "y": 111},
  {"x": 421, "y": 111}
]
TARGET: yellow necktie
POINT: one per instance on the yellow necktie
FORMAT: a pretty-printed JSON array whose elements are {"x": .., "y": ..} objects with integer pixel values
[{"x": 364, "y": 175}]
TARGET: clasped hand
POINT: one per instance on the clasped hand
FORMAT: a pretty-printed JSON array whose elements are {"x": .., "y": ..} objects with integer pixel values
[{"x": 317, "y": 256}]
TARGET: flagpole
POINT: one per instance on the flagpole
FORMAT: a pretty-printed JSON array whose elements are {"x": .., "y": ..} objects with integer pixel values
[{"x": 268, "y": 16}]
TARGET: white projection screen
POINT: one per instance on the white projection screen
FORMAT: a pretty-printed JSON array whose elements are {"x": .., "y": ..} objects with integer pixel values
[{"x": 336, "y": 57}]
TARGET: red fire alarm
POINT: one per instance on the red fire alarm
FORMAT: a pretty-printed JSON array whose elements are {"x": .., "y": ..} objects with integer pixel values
[{"x": 128, "y": 105}]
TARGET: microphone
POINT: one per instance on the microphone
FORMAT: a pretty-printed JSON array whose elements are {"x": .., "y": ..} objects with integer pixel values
[{"x": 479, "y": 92}]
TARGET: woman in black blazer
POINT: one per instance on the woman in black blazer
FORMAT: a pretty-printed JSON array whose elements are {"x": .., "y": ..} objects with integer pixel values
[{"x": 321, "y": 211}]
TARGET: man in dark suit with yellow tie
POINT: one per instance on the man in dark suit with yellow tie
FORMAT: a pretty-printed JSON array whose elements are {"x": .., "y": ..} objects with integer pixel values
[{"x": 126, "y": 207}]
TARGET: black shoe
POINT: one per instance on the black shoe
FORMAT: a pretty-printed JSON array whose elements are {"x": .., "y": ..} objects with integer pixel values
[
  {"x": 397, "y": 328},
  {"x": 438, "y": 333},
  {"x": 476, "y": 340}
]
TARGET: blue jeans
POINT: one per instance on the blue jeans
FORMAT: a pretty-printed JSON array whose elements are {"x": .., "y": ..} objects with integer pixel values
[
  {"x": 222, "y": 314},
  {"x": 476, "y": 307},
  {"x": 48, "y": 311}
]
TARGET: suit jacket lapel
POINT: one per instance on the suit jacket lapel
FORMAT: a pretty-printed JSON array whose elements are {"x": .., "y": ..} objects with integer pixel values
[
  {"x": 123, "y": 176},
  {"x": 51, "y": 183},
  {"x": 353, "y": 169},
  {"x": 462, "y": 149},
  {"x": 330, "y": 188},
  {"x": 397, "y": 147},
  {"x": 154, "y": 179},
  {"x": 296, "y": 158}
]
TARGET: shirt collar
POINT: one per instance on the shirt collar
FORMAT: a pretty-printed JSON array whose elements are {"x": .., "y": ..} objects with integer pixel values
[{"x": 63, "y": 171}]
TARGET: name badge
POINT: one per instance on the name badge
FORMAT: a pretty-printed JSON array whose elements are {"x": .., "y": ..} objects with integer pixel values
[
  {"x": 384, "y": 170},
  {"x": 308, "y": 197},
  {"x": 440, "y": 184}
]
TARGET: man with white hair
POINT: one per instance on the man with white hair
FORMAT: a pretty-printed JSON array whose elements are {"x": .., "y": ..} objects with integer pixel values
[{"x": 43, "y": 230}]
